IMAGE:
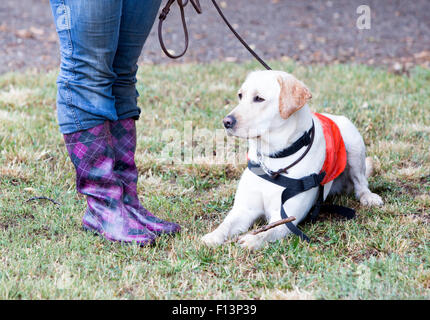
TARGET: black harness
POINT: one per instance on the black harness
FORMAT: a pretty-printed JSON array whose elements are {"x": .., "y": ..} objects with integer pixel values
[{"x": 295, "y": 186}]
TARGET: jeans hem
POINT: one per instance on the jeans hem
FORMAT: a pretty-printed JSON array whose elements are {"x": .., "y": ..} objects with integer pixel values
[
  {"x": 85, "y": 125},
  {"x": 135, "y": 114}
]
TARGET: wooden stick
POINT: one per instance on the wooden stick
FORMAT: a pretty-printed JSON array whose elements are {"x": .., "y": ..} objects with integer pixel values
[
  {"x": 265, "y": 228},
  {"x": 273, "y": 225}
]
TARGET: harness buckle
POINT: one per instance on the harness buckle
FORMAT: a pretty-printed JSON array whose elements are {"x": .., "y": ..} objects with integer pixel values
[{"x": 274, "y": 175}]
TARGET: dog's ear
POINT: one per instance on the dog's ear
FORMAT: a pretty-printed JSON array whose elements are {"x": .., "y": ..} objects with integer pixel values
[{"x": 293, "y": 96}]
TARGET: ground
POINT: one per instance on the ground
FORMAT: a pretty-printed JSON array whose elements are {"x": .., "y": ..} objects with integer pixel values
[
  {"x": 305, "y": 31},
  {"x": 383, "y": 254}
]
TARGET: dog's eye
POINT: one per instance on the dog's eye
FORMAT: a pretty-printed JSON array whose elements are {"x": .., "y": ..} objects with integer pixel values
[
  {"x": 240, "y": 96},
  {"x": 258, "y": 99}
]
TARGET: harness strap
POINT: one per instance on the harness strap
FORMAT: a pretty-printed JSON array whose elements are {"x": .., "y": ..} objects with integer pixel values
[
  {"x": 309, "y": 182},
  {"x": 292, "y": 188},
  {"x": 345, "y": 212},
  {"x": 295, "y": 186}
]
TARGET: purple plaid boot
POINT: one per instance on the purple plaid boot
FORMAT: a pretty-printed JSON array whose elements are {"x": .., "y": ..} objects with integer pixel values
[
  {"x": 92, "y": 155},
  {"x": 124, "y": 142}
]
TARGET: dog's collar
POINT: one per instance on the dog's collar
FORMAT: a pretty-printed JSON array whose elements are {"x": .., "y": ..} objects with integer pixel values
[
  {"x": 303, "y": 141},
  {"x": 306, "y": 140}
]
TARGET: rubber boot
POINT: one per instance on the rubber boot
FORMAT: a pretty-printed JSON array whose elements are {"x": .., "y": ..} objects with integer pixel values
[
  {"x": 124, "y": 142},
  {"x": 92, "y": 155}
]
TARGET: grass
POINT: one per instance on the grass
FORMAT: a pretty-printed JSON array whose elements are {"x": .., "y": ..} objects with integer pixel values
[{"x": 383, "y": 254}]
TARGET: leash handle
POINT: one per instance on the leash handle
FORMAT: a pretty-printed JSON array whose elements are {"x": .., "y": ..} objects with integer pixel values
[
  {"x": 196, "y": 4},
  {"x": 163, "y": 15}
]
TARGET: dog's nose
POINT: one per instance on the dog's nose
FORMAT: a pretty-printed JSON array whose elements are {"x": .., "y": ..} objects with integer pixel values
[{"x": 229, "y": 122}]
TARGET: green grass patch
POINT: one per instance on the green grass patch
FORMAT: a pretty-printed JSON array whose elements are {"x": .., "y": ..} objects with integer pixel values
[{"x": 383, "y": 254}]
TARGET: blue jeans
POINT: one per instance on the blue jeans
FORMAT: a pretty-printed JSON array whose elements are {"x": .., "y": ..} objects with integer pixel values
[{"x": 100, "y": 43}]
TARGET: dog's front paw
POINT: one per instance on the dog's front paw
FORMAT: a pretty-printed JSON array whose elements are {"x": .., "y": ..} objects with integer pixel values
[
  {"x": 251, "y": 242},
  {"x": 213, "y": 239},
  {"x": 371, "y": 199}
]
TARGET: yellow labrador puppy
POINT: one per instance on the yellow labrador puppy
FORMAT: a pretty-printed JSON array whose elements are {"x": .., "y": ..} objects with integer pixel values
[{"x": 272, "y": 114}]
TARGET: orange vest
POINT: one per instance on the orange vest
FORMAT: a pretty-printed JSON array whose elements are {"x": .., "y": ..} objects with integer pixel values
[{"x": 335, "y": 159}]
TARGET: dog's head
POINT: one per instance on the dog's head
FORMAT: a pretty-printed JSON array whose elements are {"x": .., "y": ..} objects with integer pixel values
[{"x": 266, "y": 100}]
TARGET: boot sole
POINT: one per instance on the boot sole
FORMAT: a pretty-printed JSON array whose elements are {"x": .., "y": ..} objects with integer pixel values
[{"x": 97, "y": 233}]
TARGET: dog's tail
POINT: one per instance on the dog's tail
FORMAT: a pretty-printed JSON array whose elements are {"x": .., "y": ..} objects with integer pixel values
[{"x": 369, "y": 167}]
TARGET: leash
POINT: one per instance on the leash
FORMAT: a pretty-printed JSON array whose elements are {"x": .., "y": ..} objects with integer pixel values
[{"x": 196, "y": 4}]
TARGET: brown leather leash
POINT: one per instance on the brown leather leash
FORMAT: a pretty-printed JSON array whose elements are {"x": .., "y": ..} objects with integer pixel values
[{"x": 196, "y": 4}]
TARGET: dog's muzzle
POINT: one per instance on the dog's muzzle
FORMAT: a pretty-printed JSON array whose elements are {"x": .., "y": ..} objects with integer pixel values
[{"x": 229, "y": 122}]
